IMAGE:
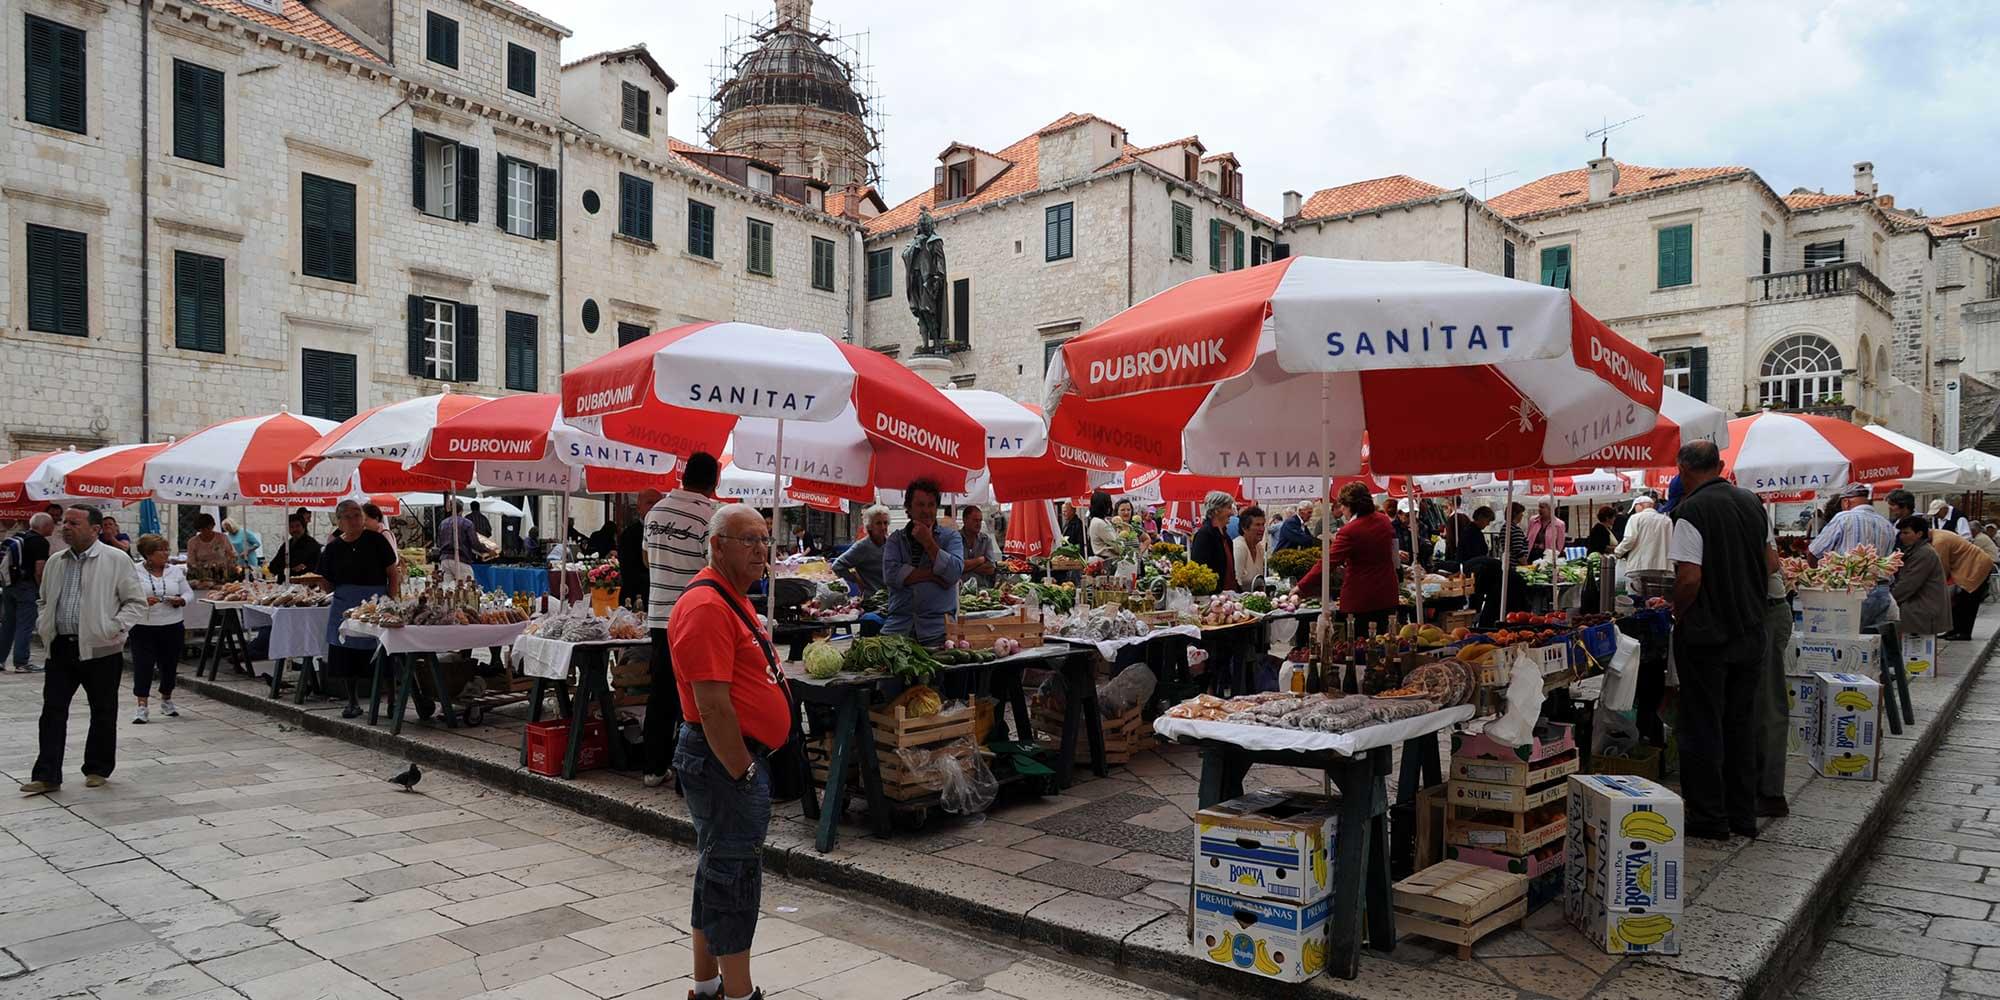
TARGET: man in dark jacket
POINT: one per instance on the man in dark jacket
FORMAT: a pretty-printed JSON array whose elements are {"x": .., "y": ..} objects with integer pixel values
[
  {"x": 1295, "y": 532},
  {"x": 1722, "y": 560},
  {"x": 634, "y": 575}
]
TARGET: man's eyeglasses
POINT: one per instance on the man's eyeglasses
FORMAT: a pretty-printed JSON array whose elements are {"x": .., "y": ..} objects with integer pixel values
[{"x": 752, "y": 541}]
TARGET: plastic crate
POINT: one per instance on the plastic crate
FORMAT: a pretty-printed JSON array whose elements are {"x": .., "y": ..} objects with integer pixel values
[{"x": 548, "y": 741}]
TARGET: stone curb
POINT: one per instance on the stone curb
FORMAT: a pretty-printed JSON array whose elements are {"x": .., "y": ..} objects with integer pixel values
[{"x": 1165, "y": 955}]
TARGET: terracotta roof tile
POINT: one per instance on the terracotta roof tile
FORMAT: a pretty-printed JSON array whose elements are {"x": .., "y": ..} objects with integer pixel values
[
  {"x": 1973, "y": 217},
  {"x": 1799, "y": 201},
  {"x": 1361, "y": 196},
  {"x": 1572, "y": 187},
  {"x": 1191, "y": 140},
  {"x": 1071, "y": 120},
  {"x": 298, "y": 20}
]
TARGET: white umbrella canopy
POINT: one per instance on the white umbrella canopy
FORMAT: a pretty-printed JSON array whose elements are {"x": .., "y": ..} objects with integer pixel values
[
  {"x": 1933, "y": 471},
  {"x": 1985, "y": 468}
]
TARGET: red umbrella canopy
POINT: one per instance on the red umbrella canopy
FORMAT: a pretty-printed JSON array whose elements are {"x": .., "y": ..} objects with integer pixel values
[
  {"x": 1774, "y": 452},
  {"x": 1030, "y": 529}
]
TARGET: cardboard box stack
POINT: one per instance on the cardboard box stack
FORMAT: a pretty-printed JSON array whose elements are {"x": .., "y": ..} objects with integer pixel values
[
  {"x": 1263, "y": 883},
  {"x": 1812, "y": 653},
  {"x": 1623, "y": 864},
  {"x": 1919, "y": 656},
  {"x": 1846, "y": 726},
  {"x": 1506, "y": 805}
]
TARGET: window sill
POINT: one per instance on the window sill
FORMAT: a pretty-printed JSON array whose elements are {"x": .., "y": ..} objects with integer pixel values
[
  {"x": 44, "y": 337},
  {"x": 442, "y": 220},
  {"x": 634, "y": 241},
  {"x": 329, "y": 284},
  {"x": 699, "y": 259},
  {"x": 1058, "y": 260},
  {"x": 823, "y": 291},
  {"x": 51, "y": 132},
  {"x": 1670, "y": 289},
  {"x": 202, "y": 167},
  {"x": 756, "y": 274}
]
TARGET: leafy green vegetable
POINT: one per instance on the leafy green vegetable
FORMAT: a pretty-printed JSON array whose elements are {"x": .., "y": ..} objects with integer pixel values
[
  {"x": 1257, "y": 603},
  {"x": 822, "y": 660},
  {"x": 895, "y": 655}
]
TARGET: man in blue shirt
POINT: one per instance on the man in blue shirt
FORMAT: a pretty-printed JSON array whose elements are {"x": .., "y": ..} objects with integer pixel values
[{"x": 921, "y": 565}]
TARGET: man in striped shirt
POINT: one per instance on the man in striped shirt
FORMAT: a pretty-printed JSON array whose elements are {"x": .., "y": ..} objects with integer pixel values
[
  {"x": 676, "y": 550},
  {"x": 1857, "y": 525}
]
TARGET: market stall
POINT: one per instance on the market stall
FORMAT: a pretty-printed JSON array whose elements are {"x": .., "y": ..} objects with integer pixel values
[
  {"x": 565, "y": 649},
  {"x": 415, "y": 631}
]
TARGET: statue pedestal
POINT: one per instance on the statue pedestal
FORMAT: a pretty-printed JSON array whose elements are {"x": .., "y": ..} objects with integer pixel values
[{"x": 935, "y": 369}]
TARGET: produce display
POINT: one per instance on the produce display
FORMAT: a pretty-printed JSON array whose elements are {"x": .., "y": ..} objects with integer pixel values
[
  {"x": 895, "y": 655},
  {"x": 439, "y": 606},
  {"x": 1288, "y": 603},
  {"x": 974, "y": 599},
  {"x": 575, "y": 626},
  {"x": 1057, "y": 597},
  {"x": 1258, "y": 604},
  {"x": 1422, "y": 635},
  {"x": 1016, "y": 564},
  {"x": 1100, "y": 624},
  {"x": 1067, "y": 550},
  {"x": 818, "y": 610},
  {"x": 812, "y": 568},
  {"x": 822, "y": 660},
  {"x": 919, "y": 702},
  {"x": 1323, "y": 713},
  {"x": 1291, "y": 563},
  {"x": 1227, "y": 609},
  {"x": 1172, "y": 551},
  {"x": 288, "y": 595},
  {"x": 1445, "y": 683},
  {"x": 1857, "y": 569},
  {"x": 1194, "y": 577}
]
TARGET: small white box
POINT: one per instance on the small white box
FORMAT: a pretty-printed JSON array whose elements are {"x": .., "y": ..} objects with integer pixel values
[
  {"x": 1846, "y": 727},
  {"x": 1625, "y": 847},
  {"x": 1834, "y": 611},
  {"x": 1281, "y": 941},
  {"x": 1800, "y": 692},
  {"x": 1268, "y": 845},
  {"x": 1835, "y": 653},
  {"x": 1798, "y": 735},
  {"x": 1919, "y": 656}
]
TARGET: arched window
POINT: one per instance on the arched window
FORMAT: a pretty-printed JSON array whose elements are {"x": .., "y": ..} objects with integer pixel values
[{"x": 1800, "y": 371}]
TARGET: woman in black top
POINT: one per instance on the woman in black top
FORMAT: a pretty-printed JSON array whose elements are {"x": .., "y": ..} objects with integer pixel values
[
  {"x": 356, "y": 563},
  {"x": 1601, "y": 540}
]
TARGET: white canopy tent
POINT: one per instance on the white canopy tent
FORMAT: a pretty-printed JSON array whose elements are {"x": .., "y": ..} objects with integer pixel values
[{"x": 1934, "y": 471}]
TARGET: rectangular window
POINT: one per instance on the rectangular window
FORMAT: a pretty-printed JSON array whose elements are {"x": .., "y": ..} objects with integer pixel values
[
  {"x": 629, "y": 332},
  {"x": 436, "y": 165},
  {"x": 760, "y": 180},
  {"x": 1049, "y": 349},
  {"x": 327, "y": 391},
  {"x": 327, "y": 230},
  {"x": 636, "y": 112},
  {"x": 1183, "y": 231},
  {"x": 197, "y": 113},
  {"x": 958, "y": 180},
  {"x": 1555, "y": 266},
  {"x": 1507, "y": 258},
  {"x": 440, "y": 347},
  {"x": 1236, "y": 248},
  {"x": 1687, "y": 370},
  {"x": 635, "y": 207},
  {"x": 881, "y": 273},
  {"x": 961, "y": 312},
  {"x": 58, "y": 281},
  {"x": 1676, "y": 251},
  {"x": 523, "y": 352},
  {"x": 822, "y": 264},
  {"x": 1260, "y": 251},
  {"x": 701, "y": 230},
  {"x": 520, "y": 69},
  {"x": 758, "y": 258},
  {"x": 517, "y": 197},
  {"x": 440, "y": 39},
  {"x": 55, "y": 75},
  {"x": 198, "y": 302},
  {"x": 1767, "y": 251},
  {"x": 1058, "y": 231},
  {"x": 1826, "y": 254},
  {"x": 1216, "y": 242}
]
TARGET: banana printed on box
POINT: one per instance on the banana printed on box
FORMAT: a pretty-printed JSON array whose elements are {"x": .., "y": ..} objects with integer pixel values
[
  {"x": 1277, "y": 940},
  {"x": 1623, "y": 876},
  {"x": 1844, "y": 740}
]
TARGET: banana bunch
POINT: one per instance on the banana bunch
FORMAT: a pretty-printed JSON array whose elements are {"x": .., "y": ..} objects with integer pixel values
[
  {"x": 1645, "y": 824},
  {"x": 1312, "y": 955},
  {"x": 1319, "y": 872},
  {"x": 1221, "y": 952},
  {"x": 1847, "y": 763},
  {"x": 1853, "y": 701},
  {"x": 1264, "y": 963},
  {"x": 1643, "y": 931}
]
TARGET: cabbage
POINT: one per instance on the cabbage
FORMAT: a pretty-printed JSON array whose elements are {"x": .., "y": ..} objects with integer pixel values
[{"x": 822, "y": 660}]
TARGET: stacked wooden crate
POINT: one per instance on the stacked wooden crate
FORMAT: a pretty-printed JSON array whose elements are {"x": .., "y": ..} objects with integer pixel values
[
  {"x": 1507, "y": 806},
  {"x": 895, "y": 730}
]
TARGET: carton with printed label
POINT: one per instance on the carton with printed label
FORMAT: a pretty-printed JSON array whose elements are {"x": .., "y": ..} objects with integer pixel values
[
  {"x": 1847, "y": 722},
  {"x": 1919, "y": 656},
  {"x": 1626, "y": 933},
  {"x": 1268, "y": 845},
  {"x": 1845, "y": 654},
  {"x": 1800, "y": 693},
  {"x": 1625, "y": 844},
  {"x": 1282, "y": 941},
  {"x": 1836, "y": 612}
]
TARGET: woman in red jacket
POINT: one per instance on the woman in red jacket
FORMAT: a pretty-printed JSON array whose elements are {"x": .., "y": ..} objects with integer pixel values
[{"x": 1366, "y": 546}]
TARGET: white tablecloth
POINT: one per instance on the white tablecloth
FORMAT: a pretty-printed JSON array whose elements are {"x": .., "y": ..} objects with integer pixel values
[
  {"x": 294, "y": 631},
  {"x": 1345, "y": 744},
  {"x": 1109, "y": 648},
  {"x": 436, "y": 638},
  {"x": 550, "y": 658},
  {"x": 195, "y": 613}
]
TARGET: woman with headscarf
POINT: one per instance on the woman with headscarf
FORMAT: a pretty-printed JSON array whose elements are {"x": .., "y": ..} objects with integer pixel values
[
  {"x": 358, "y": 564},
  {"x": 1210, "y": 546},
  {"x": 248, "y": 544}
]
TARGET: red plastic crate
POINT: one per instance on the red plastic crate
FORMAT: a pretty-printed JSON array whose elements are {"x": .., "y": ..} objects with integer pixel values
[{"x": 548, "y": 741}]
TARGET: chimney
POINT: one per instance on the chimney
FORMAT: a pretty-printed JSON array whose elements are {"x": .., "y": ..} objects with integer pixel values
[
  {"x": 1293, "y": 203},
  {"x": 1886, "y": 200},
  {"x": 1864, "y": 178},
  {"x": 1603, "y": 177}
]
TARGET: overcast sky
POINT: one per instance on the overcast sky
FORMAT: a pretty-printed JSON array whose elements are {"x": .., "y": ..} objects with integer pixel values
[{"x": 1310, "y": 95}]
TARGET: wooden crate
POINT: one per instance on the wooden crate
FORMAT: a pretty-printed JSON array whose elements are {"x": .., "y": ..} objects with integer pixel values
[
  {"x": 1459, "y": 903},
  {"x": 1519, "y": 773},
  {"x": 1508, "y": 797},
  {"x": 896, "y": 730},
  {"x": 1124, "y": 736},
  {"x": 1515, "y": 833},
  {"x": 1431, "y": 811},
  {"x": 1459, "y": 619},
  {"x": 1020, "y": 626}
]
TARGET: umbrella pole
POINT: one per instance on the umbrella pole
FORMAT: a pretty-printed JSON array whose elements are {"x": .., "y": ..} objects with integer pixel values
[
  {"x": 1325, "y": 511},
  {"x": 1506, "y": 543},
  {"x": 1555, "y": 576},
  {"x": 771, "y": 550},
  {"x": 562, "y": 568}
]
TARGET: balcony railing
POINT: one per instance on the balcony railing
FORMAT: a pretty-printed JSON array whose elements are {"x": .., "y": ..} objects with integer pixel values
[{"x": 1849, "y": 278}]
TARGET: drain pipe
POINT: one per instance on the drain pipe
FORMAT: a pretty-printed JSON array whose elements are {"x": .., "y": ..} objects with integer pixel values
[
  {"x": 562, "y": 303},
  {"x": 145, "y": 221}
]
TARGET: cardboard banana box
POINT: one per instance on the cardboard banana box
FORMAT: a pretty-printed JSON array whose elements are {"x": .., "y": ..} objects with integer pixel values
[
  {"x": 1268, "y": 845},
  {"x": 1626, "y": 843},
  {"x": 1847, "y": 724},
  {"x": 1275, "y": 940}
]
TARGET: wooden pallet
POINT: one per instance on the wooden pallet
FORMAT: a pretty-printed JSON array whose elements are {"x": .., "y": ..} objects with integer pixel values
[
  {"x": 1019, "y": 626},
  {"x": 895, "y": 730},
  {"x": 1459, "y": 903},
  {"x": 1519, "y": 773}
]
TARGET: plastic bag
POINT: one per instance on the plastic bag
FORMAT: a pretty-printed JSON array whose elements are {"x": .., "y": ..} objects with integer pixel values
[
  {"x": 1179, "y": 600},
  {"x": 1879, "y": 608},
  {"x": 1516, "y": 726},
  {"x": 1053, "y": 693},
  {"x": 1130, "y": 689},
  {"x": 966, "y": 784}
]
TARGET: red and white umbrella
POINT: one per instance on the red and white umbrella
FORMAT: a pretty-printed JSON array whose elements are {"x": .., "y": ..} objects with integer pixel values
[
  {"x": 16, "y": 498},
  {"x": 520, "y": 444},
  {"x": 1778, "y": 453},
  {"x": 1445, "y": 368},
  {"x": 116, "y": 473},
  {"x": 246, "y": 461},
  {"x": 1683, "y": 420},
  {"x": 1031, "y": 529},
  {"x": 378, "y": 440}
]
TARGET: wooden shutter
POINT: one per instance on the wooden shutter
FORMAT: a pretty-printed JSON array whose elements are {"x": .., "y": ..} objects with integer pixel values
[
  {"x": 198, "y": 302},
  {"x": 340, "y": 229},
  {"x": 635, "y": 116},
  {"x": 1236, "y": 248},
  {"x": 313, "y": 252},
  {"x": 468, "y": 184},
  {"x": 701, "y": 229},
  {"x": 961, "y": 312},
  {"x": 629, "y": 332},
  {"x": 522, "y": 352},
  {"x": 500, "y": 190},
  {"x": 1183, "y": 231},
  {"x": 441, "y": 39},
  {"x": 417, "y": 144},
  {"x": 1215, "y": 244},
  {"x": 55, "y": 75},
  {"x": 467, "y": 330},
  {"x": 1698, "y": 373},
  {"x": 545, "y": 202},
  {"x": 520, "y": 69},
  {"x": 415, "y": 327},
  {"x": 1676, "y": 264},
  {"x": 327, "y": 384},
  {"x": 58, "y": 281}
]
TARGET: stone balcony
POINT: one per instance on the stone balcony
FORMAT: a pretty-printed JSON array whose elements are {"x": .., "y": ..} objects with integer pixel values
[{"x": 1849, "y": 278}]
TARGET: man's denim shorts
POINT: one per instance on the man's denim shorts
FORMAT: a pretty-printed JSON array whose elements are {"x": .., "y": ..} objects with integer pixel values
[{"x": 730, "y": 821}]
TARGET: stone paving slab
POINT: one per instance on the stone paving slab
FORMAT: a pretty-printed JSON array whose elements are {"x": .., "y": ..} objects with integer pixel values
[{"x": 1091, "y": 870}]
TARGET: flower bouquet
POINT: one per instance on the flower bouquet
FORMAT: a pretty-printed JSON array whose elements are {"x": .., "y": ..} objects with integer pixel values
[{"x": 1857, "y": 569}]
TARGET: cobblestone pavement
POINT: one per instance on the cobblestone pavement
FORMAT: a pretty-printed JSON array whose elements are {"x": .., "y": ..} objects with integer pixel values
[
  {"x": 234, "y": 857},
  {"x": 1922, "y": 923}
]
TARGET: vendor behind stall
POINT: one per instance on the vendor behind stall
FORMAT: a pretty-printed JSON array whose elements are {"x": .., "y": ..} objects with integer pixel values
[
  {"x": 1487, "y": 578},
  {"x": 210, "y": 557},
  {"x": 1210, "y": 546},
  {"x": 922, "y": 565},
  {"x": 861, "y": 563},
  {"x": 1366, "y": 546},
  {"x": 299, "y": 552},
  {"x": 982, "y": 557},
  {"x": 357, "y": 564}
]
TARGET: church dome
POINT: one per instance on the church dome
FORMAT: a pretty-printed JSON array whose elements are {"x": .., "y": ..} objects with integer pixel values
[{"x": 791, "y": 70}]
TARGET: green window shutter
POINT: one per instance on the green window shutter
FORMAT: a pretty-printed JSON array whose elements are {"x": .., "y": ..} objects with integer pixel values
[
  {"x": 199, "y": 309},
  {"x": 758, "y": 258},
  {"x": 520, "y": 69},
  {"x": 881, "y": 273},
  {"x": 1183, "y": 245},
  {"x": 440, "y": 39},
  {"x": 545, "y": 202},
  {"x": 500, "y": 190},
  {"x": 522, "y": 352},
  {"x": 467, "y": 336},
  {"x": 414, "y": 325},
  {"x": 468, "y": 184},
  {"x": 701, "y": 230},
  {"x": 58, "y": 281},
  {"x": 1215, "y": 244},
  {"x": 822, "y": 264},
  {"x": 417, "y": 144},
  {"x": 1058, "y": 231},
  {"x": 635, "y": 207},
  {"x": 55, "y": 75},
  {"x": 635, "y": 111},
  {"x": 1676, "y": 256},
  {"x": 961, "y": 312},
  {"x": 197, "y": 113},
  {"x": 1555, "y": 267},
  {"x": 1698, "y": 373},
  {"x": 328, "y": 384},
  {"x": 1236, "y": 241}
]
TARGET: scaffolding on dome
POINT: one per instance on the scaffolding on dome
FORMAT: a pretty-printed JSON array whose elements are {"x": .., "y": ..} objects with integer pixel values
[{"x": 813, "y": 69}]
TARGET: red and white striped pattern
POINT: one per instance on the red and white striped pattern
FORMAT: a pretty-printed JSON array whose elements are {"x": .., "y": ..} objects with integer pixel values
[
  {"x": 247, "y": 460},
  {"x": 116, "y": 473},
  {"x": 1801, "y": 452},
  {"x": 378, "y": 440},
  {"x": 521, "y": 444}
]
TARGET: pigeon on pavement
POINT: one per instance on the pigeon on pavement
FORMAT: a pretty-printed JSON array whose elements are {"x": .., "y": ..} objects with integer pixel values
[{"x": 408, "y": 779}]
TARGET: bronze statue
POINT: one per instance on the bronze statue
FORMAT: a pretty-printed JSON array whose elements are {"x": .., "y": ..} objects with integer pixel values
[{"x": 926, "y": 283}]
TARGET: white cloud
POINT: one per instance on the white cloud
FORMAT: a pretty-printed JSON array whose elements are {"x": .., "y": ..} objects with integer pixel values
[{"x": 1311, "y": 95}]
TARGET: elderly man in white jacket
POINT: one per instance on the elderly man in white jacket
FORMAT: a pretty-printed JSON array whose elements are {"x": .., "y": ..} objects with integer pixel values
[
  {"x": 90, "y": 599},
  {"x": 1647, "y": 533}
]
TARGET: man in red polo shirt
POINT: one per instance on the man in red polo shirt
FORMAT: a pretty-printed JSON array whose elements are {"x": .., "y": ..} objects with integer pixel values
[{"x": 737, "y": 711}]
